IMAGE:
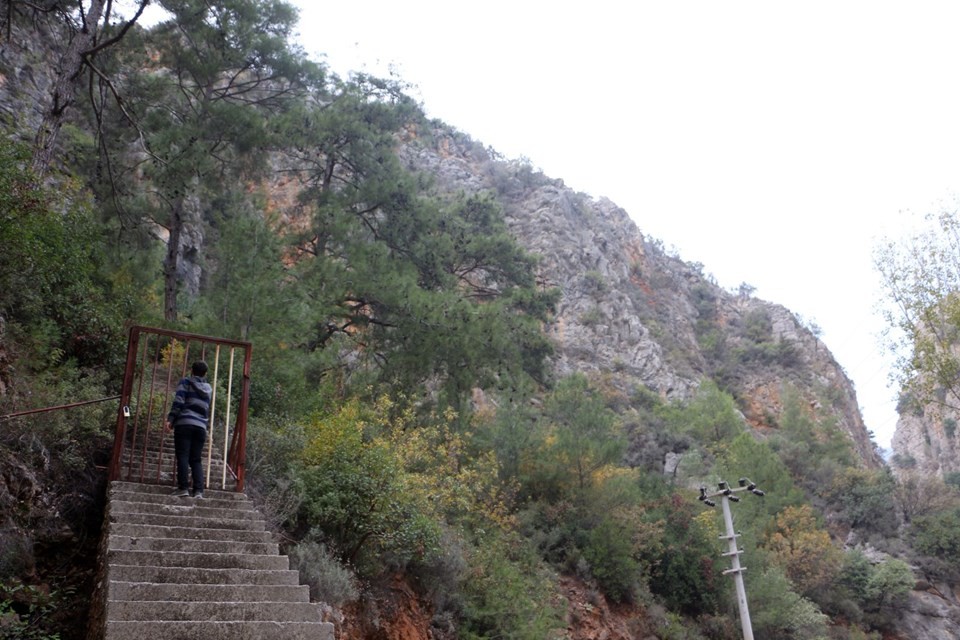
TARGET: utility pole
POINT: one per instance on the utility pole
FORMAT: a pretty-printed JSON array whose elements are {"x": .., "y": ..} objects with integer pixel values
[{"x": 728, "y": 495}]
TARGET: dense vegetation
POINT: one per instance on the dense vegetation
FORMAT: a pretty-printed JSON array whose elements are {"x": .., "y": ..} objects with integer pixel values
[{"x": 375, "y": 319}]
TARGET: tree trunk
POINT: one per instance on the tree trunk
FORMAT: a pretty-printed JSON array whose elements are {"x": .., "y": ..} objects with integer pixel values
[
  {"x": 171, "y": 263},
  {"x": 65, "y": 89}
]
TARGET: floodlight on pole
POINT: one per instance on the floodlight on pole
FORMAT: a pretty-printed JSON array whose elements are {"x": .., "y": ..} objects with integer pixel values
[{"x": 727, "y": 495}]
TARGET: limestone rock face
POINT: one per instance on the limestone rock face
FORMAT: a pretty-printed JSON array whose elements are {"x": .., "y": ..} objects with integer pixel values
[
  {"x": 931, "y": 613},
  {"x": 636, "y": 314},
  {"x": 26, "y": 79},
  {"x": 927, "y": 442}
]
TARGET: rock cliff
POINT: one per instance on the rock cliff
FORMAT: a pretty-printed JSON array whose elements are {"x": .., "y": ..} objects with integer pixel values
[
  {"x": 637, "y": 314},
  {"x": 926, "y": 441}
]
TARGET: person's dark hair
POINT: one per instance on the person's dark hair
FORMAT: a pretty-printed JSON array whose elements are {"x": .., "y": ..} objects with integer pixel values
[{"x": 199, "y": 368}]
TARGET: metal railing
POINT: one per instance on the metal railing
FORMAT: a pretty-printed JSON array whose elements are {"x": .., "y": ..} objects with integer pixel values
[
  {"x": 157, "y": 359},
  {"x": 59, "y": 407}
]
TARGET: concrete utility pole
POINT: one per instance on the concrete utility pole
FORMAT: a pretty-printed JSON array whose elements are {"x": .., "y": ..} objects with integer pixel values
[{"x": 727, "y": 495}]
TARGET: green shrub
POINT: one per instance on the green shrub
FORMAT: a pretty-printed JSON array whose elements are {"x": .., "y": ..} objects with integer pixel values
[
  {"x": 24, "y": 610},
  {"x": 595, "y": 283},
  {"x": 779, "y": 613},
  {"x": 889, "y": 584},
  {"x": 904, "y": 461},
  {"x": 329, "y": 580},
  {"x": 356, "y": 492},
  {"x": 683, "y": 567},
  {"x": 591, "y": 317},
  {"x": 875, "y": 590},
  {"x": 609, "y": 552},
  {"x": 950, "y": 427},
  {"x": 442, "y": 576},
  {"x": 671, "y": 626},
  {"x": 52, "y": 290},
  {"x": 952, "y": 479},
  {"x": 937, "y": 534},
  {"x": 63, "y": 439},
  {"x": 16, "y": 554},
  {"x": 864, "y": 498},
  {"x": 509, "y": 593}
]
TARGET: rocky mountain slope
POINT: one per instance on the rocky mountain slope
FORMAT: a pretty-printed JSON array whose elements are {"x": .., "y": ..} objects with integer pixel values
[{"x": 635, "y": 313}]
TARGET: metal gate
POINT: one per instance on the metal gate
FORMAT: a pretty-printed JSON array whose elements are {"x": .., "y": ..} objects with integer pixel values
[{"x": 157, "y": 359}]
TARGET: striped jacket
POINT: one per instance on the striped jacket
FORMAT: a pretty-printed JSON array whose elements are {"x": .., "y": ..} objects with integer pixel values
[{"x": 191, "y": 403}]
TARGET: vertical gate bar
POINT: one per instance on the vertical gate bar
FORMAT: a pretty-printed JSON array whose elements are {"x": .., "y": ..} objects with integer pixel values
[
  {"x": 120, "y": 434},
  {"x": 226, "y": 422},
  {"x": 146, "y": 428},
  {"x": 188, "y": 371},
  {"x": 136, "y": 414},
  {"x": 240, "y": 431},
  {"x": 165, "y": 404},
  {"x": 213, "y": 414}
]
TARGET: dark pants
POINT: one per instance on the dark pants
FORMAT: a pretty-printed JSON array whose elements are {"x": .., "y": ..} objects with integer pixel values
[{"x": 188, "y": 443}]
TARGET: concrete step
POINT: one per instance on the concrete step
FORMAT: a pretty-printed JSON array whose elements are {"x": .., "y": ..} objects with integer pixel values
[
  {"x": 154, "y": 446},
  {"x": 186, "y": 520},
  {"x": 148, "y": 591},
  {"x": 222, "y": 611},
  {"x": 165, "y": 489},
  {"x": 169, "y": 479},
  {"x": 169, "y": 450},
  {"x": 195, "y": 575},
  {"x": 197, "y": 560},
  {"x": 203, "y": 546},
  {"x": 152, "y": 468},
  {"x": 188, "y": 533},
  {"x": 169, "y": 630},
  {"x": 168, "y": 460},
  {"x": 166, "y": 498},
  {"x": 134, "y": 476},
  {"x": 167, "y": 466},
  {"x": 184, "y": 506},
  {"x": 153, "y": 443}
]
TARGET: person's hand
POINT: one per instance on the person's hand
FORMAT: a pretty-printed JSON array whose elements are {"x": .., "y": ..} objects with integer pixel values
[{"x": 168, "y": 426}]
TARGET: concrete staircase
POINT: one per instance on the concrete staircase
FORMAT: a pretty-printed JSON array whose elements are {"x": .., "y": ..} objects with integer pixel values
[{"x": 188, "y": 569}]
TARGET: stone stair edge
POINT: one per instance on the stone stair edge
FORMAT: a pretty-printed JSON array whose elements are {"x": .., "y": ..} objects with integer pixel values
[
  {"x": 167, "y": 630},
  {"x": 203, "y": 575},
  {"x": 200, "y": 560},
  {"x": 182, "y": 544},
  {"x": 245, "y": 524},
  {"x": 177, "y": 610},
  {"x": 123, "y": 591},
  {"x": 189, "y": 533},
  {"x": 242, "y": 506},
  {"x": 185, "y": 506},
  {"x": 167, "y": 487}
]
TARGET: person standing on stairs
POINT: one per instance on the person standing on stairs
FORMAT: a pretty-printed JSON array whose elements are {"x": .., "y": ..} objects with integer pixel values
[{"x": 188, "y": 418}]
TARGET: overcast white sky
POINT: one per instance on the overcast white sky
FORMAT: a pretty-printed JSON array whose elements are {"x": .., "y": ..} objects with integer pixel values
[{"x": 773, "y": 142}]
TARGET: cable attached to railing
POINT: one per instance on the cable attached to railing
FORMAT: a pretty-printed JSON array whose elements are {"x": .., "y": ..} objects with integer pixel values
[{"x": 28, "y": 412}]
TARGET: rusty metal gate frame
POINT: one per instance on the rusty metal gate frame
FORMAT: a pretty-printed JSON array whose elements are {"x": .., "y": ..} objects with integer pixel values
[{"x": 234, "y": 456}]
